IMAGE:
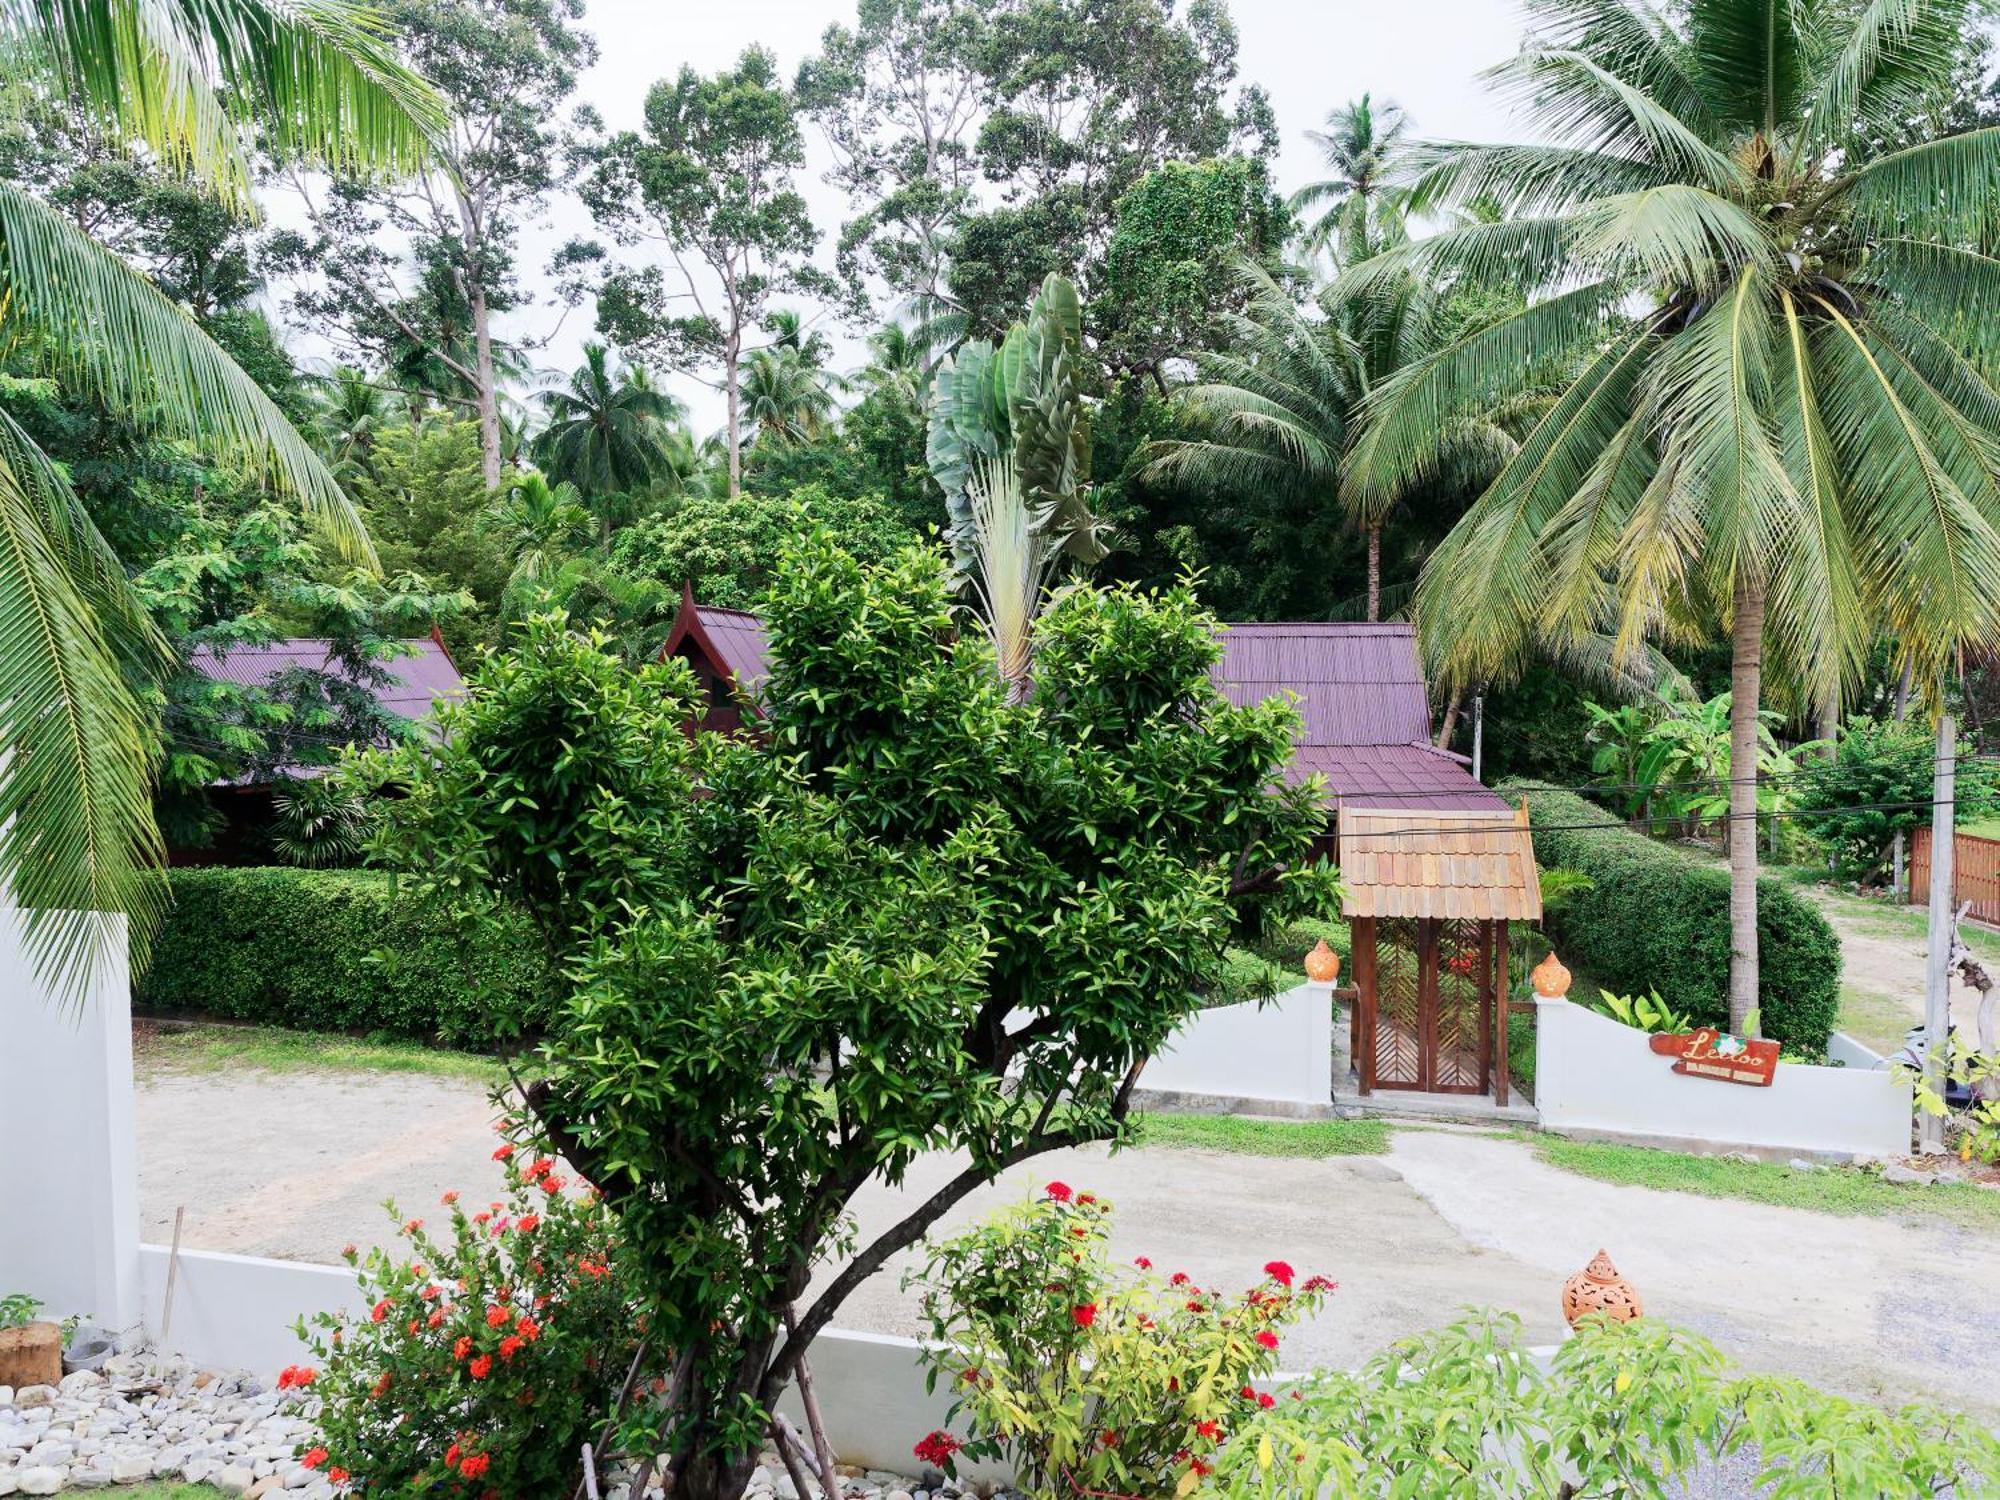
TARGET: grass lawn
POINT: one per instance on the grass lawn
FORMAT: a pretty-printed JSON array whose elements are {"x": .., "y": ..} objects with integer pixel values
[
  {"x": 1255, "y": 1137},
  {"x": 1877, "y": 1021},
  {"x": 1835, "y": 1190},
  {"x": 170, "y": 1492},
  {"x": 205, "y": 1048}
]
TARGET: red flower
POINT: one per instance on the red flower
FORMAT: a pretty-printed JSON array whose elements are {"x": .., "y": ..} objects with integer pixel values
[
  {"x": 936, "y": 1448},
  {"x": 1248, "y": 1393},
  {"x": 337, "y": 1474},
  {"x": 1108, "y": 1438},
  {"x": 1267, "y": 1338},
  {"x": 1059, "y": 1191},
  {"x": 553, "y": 1184},
  {"x": 1210, "y": 1430},
  {"x": 1142, "y": 1263},
  {"x": 381, "y": 1311},
  {"x": 451, "y": 1456},
  {"x": 413, "y": 1226},
  {"x": 969, "y": 1377},
  {"x": 539, "y": 1168},
  {"x": 313, "y": 1458},
  {"x": 1196, "y": 1307},
  {"x": 436, "y": 1319},
  {"x": 412, "y": 1326},
  {"x": 511, "y": 1345},
  {"x": 381, "y": 1387},
  {"x": 528, "y": 1223},
  {"x": 474, "y": 1464},
  {"x": 1200, "y": 1469},
  {"x": 1279, "y": 1272},
  {"x": 1266, "y": 1400},
  {"x": 503, "y": 1153},
  {"x": 296, "y": 1375},
  {"x": 498, "y": 1317},
  {"x": 450, "y": 1197},
  {"x": 463, "y": 1347},
  {"x": 1078, "y": 1230},
  {"x": 1179, "y": 1278},
  {"x": 1083, "y": 1316},
  {"x": 1088, "y": 1198},
  {"x": 528, "y": 1329},
  {"x": 348, "y": 1252},
  {"x": 481, "y": 1367},
  {"x": 1321, "y": 1284}
]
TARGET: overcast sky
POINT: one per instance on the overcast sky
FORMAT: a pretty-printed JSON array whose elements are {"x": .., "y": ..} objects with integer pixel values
[{"x": 1424, "y": 54}]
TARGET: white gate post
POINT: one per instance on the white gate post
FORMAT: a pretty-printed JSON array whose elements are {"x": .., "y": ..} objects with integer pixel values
[{"x": 69, "y": 1205}]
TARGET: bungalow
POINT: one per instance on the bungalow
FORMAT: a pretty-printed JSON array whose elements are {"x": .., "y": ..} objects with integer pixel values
[
  {"x": 419, "y": 679},
  {"x": 1435, "y": 864}
]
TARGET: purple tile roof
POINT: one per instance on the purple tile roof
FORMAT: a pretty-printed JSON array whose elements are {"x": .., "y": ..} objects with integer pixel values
[
  {"x": 1366, "y": 712},
  {"x": 422, "y": 677}
]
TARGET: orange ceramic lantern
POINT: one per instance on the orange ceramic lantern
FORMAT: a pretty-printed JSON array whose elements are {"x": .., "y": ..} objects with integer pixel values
[
  {"x": 1322, "y": 964},
  {"x": 1598, "y": 1288},
  {"x": 1550, "y": 978}
]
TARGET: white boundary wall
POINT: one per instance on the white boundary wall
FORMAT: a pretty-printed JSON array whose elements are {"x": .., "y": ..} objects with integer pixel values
[
  {"x": 1594, "y": 1075},
  {"x": 1279, "y": 1049}
]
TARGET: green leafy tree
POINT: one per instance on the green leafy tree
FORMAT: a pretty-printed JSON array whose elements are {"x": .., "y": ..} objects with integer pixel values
[
  {"x": 1879, "y": 788},
  {"x": 1785, "y": 427},
  {"x": 917, "y": 914},
  {"x": 540, "y": 526},
  {"x": 506, "y": 67},
  {"x": 1010, "y": 447},
  {"x": 710, "y": 178},
  {"x": 77, "y": 840},
  {"x": 727, "y": 546},
  {"x": 608, "y": 435}
]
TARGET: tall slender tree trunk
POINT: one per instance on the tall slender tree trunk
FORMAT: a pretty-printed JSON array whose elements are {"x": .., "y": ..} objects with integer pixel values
[
  {"x": 1746, "y": 681},
  {"x": 1450, "y": 718},
  {"x": 1375, "y": 570},
  {"x": 489, "y": 395}
]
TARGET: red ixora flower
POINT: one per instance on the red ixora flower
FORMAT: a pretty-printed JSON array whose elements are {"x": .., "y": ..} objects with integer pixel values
[
  {"x": 1210, "y": 1429},
  {"x": 413, "y": 1226},
  {"x": 313, "y": 1458},
  {"x": 936, "y": 1448},
  {"x": 1059, "y": 1191},
  {"x": 498, "y": 1317},
  {"x": 503, "y": 1153},
  {"x": 1266, "y": 1400},
  {"x": 380, "y": 1312},
  {"x": 337, "y": 1475},
  {"x": 1321, "y": 1284},
  {"x": 1179, "y": 1278},
  {"x": 539, "y": 1168},
  {"x": 481, "y": 1367},
  {"x": 463, "y": 1347},
  {"x": 450, "y": 1197},
  {"x": 1199, "y": 1469},
  {"x": 527, "y": 1328},
  {"x": 296, "y": 1375},
  {"x": 1084, "y": 1314},
  {"x": 1142, "y": 1262},
  {"x": 474, "y": 1464},
  {"x": 552, "y": 1184},
  {"x": 1267, "y": 1338},
  {"x": 511, "y": 1345},
  {"x": 1279, "y": 1272},
  {"x": 527, "y": 1223},
  {"x": 1196, "y": 1307}
]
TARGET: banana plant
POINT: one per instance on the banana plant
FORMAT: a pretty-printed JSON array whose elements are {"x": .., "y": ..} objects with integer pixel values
[{"x": 1010, "y": 446}]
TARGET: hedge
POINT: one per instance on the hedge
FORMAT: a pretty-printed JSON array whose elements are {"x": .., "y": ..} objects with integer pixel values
[
  {"x": 1658, "y": 919},
  {"x": 336, "y": 950}
]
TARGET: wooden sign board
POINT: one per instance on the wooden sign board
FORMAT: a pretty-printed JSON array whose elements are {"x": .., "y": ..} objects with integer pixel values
[{"x": 1708, "y": 1053}]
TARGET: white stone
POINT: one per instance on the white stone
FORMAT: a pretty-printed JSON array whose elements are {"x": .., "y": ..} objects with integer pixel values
[
  {"x": 234, "y": 1480},
  {"x": 39, "y": 1481}
]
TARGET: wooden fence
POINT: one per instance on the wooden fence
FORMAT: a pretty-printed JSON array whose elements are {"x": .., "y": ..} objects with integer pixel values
[{"x": 1975, "y": 871}]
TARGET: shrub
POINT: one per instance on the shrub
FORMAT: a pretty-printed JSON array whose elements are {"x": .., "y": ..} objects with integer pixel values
[
  {"x": 1880, "y": 785},
  {"x": 490, "y": 1355},
  {"x": 1093, "y": 1380},
  {"x": 1621, "y": 1410},
  {"x": 338, "y": 950},
  {"x": 1658, "y": 919}
]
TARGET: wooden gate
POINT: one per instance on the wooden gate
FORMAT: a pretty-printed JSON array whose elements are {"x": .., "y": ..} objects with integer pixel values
[
  {"x": 1975, "y": 873},
  {"x": 1427, "y": 988}
]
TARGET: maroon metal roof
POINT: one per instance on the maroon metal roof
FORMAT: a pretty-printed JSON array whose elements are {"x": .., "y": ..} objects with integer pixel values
[
  {"x": 421, "y": 678},
  {"x": 1361, "y": 690}
]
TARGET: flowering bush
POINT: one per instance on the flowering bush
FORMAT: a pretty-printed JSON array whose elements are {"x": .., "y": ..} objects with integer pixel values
[
  {"x": 491, "y": 1351},
  {"x": 1093, "y": 1378}
]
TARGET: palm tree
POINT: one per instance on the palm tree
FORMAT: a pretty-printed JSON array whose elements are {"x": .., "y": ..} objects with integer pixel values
[
  {"x": 1279, "y": 407},
  {"x": 1360, "y": 146},
  {"x": 1786, "y": 426},
  {"x": 608, "y": 432},
  {"x": 540, "y": 526},
  {"x": 190, "y": 79},
  {"x": 898, "y": 363},
  {"x": 351, "y": 411},
  {"x": 785, "y": 397}
]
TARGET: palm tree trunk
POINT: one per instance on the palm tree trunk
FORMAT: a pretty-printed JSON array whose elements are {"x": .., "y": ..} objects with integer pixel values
[
  {"x": 1375, "y": 570},
  {"x": 1450, "y": 718},
  {"x": 1746, "y": 672}
]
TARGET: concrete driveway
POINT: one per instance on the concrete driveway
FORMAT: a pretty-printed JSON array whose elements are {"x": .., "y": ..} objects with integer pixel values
[{"x": 295, "y": 1165}]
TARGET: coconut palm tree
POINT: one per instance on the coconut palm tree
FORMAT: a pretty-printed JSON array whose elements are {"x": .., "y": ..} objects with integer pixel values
[
  {"x": 350, "y": 412},
  {"x": 1360, "y": 146},
  {"x": 1786, "y": 428},
  {"x": 191, "y": 79},
  {"x": 786, "y": 397},
  {"x": 1279, "y": 406},
  {"x": 608, "y": 431}
]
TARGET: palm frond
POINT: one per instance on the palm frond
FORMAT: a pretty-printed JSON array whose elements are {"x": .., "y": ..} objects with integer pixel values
[
  {"x": 1675, "y": 235},
  {"x": 1520, "y": 181},
  {"x": 1941, "y": 189},
  {"x": 318, "y": 79},
  {"x": 1894, "y": 56},
  {"x": 1752, "y": 58},
  {"x": 87, "y": 316},
  {"x": 78, "y": 846}
]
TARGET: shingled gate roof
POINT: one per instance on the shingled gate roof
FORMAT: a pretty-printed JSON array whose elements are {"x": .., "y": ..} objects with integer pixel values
[{"x": 1476, "y": 865}]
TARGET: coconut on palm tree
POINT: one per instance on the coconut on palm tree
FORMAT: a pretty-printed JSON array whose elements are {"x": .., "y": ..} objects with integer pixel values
[
  {"x": 1785, "y": 427},
  {"x": 191, "y": 80},
  {"x": 608, "y": 432}
]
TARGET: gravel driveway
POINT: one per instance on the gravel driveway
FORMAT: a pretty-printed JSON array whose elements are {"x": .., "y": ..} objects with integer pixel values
[{"x": 295, "y": 1165}]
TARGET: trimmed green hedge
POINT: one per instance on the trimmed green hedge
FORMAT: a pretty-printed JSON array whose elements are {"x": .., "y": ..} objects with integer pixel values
[
  {"x": 1658, "y": 919},
  {"x": 336, "y": 950}
]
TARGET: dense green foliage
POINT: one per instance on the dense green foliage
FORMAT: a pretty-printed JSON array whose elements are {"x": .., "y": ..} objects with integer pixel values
[
  {"x": 1658, "y": 919},
  {"x": 1880, "y": 784},
  {"x": 976, "y": 912},
  {"x": 339, "y": 951}
]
